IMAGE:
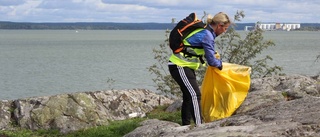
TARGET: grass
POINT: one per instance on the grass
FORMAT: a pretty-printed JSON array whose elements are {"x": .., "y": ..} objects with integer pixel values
[{"x": 114, "y": 129}]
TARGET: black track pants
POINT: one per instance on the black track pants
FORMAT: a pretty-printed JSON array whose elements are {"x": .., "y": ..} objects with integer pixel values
[{"x": 186, "y": 79}]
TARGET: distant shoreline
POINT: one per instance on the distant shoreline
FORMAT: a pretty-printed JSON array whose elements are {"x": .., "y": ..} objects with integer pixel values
[{"x": 115, "y": 26}]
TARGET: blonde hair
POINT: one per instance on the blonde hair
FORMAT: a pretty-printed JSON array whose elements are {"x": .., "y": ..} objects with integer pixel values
[{"x": 220, "y": 18}]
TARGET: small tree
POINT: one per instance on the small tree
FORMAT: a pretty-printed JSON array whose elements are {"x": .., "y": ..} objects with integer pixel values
[
  {"x": 244, "y": 51},
  {"x": 317, "y": 59},
  {"x": 233, "y": 49},
  {"x": 165, "y": 83}
]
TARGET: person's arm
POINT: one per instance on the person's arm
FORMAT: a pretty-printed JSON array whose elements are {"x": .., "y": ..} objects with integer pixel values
[{"x": 208, "y": 46}]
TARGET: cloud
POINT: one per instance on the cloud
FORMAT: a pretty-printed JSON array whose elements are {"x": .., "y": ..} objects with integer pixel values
[
  {"x": 161, "y": 3},
  {"x": 93, "y": 10},
  {"x": 155, "y": 11},
  {"x": 11, "y": 2},
  {"x": 65, "y": 5}
]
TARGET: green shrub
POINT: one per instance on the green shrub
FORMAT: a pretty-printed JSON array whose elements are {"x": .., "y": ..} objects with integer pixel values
[{"x": 232, "y": 49}]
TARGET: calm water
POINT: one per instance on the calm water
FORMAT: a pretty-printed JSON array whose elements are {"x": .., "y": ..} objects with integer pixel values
[{"x": 49, "y": 62}]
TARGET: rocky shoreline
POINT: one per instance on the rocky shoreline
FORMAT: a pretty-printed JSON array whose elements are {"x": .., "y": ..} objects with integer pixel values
[
  {"x": 71, "y": 112},
  {"x": 275, "y": 106},
  {"x": 280, "y": 106}
]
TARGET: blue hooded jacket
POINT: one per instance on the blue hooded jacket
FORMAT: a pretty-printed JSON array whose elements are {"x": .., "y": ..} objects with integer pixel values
[{"x": 205, "y": 39}]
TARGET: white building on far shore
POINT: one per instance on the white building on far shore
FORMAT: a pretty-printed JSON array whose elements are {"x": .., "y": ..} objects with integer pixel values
[{"x": 276, "y": 26}]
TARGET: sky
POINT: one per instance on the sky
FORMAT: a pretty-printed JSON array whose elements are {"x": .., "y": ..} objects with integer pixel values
[{"x": 159, "y": 11}]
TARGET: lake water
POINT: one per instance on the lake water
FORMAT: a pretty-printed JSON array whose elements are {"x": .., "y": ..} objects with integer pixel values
[{"x": 49, "y": 62}]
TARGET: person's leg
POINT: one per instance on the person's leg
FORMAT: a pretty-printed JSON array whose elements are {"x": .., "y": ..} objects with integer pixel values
[
  {"x": 186, "y": 79},
  {"x": 186, "y": 109}
]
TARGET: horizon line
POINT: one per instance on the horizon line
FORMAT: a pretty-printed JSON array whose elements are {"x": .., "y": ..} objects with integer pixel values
[{"x": 147, "y": 22}]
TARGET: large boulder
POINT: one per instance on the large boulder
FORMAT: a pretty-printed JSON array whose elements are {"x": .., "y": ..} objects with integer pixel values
[
  {"x": 70, "y": 112},
  {"x": 5, "y": 113},
  {"x": 275, "y": 106}
]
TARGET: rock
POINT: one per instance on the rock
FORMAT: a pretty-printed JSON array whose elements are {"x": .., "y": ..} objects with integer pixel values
[
  {"x": 71, "y": 112},
  {"x": 152, "y": 127},
  {"x": 5, "y": 113},
  {"x": 175, "y": 106},
  {"x": 267, "y": 111}
]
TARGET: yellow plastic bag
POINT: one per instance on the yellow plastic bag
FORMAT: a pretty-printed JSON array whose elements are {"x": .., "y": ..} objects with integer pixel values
[{"x": 224, "y": 91}]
